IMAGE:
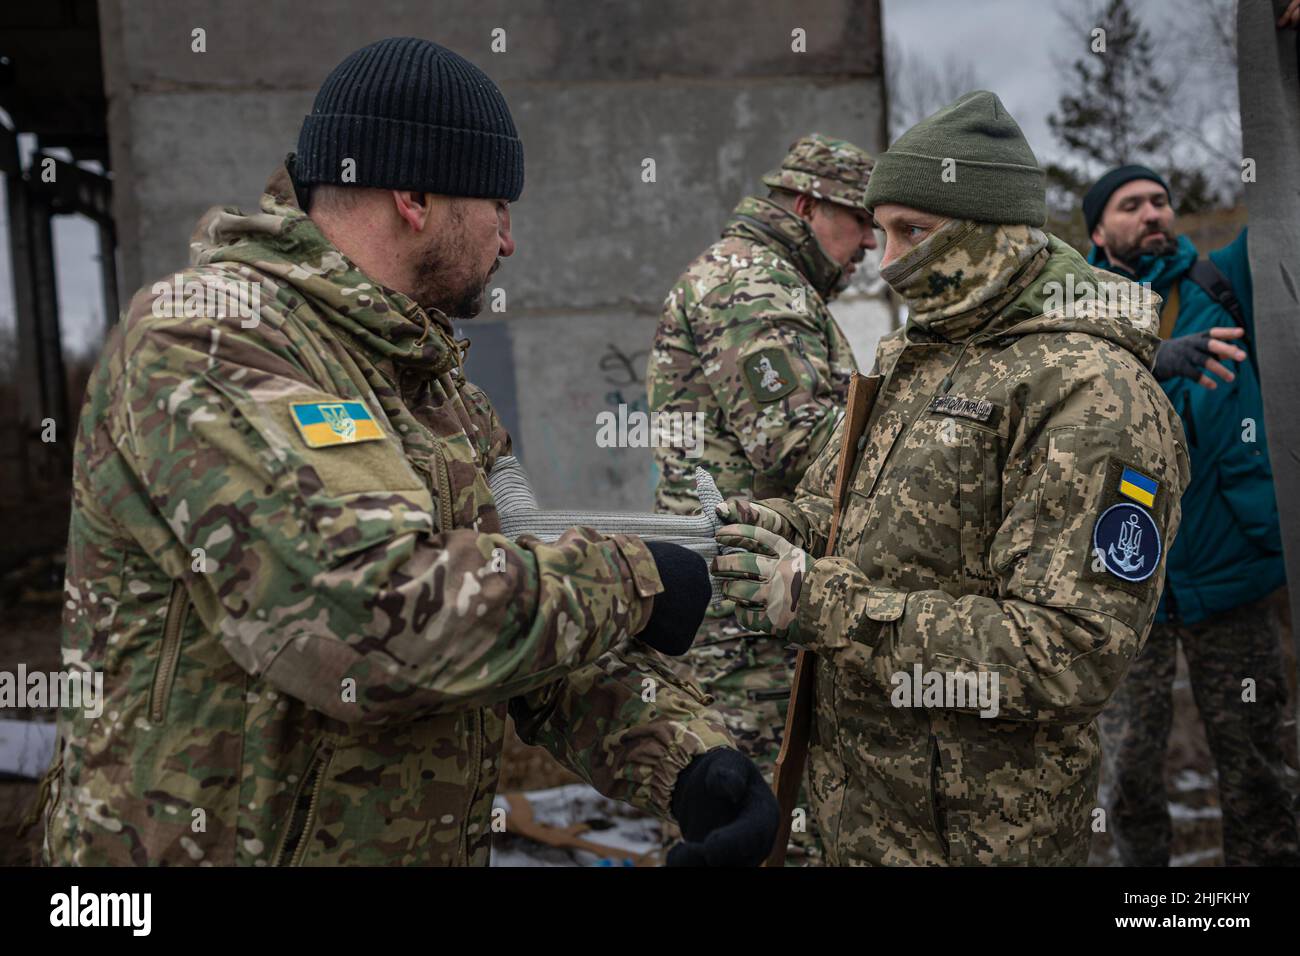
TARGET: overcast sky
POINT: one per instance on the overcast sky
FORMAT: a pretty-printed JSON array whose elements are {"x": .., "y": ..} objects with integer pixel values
[
  {"x": 1016, "y": 46},
  {"x": 1021, "y": 49}
]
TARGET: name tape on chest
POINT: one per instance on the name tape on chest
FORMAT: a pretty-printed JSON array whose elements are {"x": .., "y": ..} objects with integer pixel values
[
  {"x": 322, "y": 424},
  {"x": 976, "y": 409}
]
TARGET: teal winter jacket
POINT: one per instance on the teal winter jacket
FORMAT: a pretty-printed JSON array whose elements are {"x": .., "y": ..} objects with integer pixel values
[{"x": 1229, "y": 551}]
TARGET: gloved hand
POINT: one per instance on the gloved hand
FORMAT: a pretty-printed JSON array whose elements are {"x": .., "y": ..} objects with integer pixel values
[
  {"x": 1189, "y": 356},
  {"x": 678, "y": 611},
  {"x": 764, "y": 580},
  {"x": 727, "y": 813},
  {"x": 744, "y": 511}
]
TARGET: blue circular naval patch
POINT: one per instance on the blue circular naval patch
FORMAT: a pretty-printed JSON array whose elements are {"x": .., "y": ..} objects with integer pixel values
[{"x": 1126, "y": 538}]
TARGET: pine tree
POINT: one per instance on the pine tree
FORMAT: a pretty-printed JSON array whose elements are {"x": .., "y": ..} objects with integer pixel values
[
  {"x": 1119, "y": 93},
  {"x": 1115, "y": 113}
]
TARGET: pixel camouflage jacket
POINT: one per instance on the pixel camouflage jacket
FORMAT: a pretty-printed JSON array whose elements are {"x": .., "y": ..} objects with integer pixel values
[{"x": 986, "y": 535}]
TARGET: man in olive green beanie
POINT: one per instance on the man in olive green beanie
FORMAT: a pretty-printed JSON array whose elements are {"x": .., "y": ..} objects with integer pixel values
[
  {"x": 1001, "y": 550},
  {"x": 967, "y": 161}
]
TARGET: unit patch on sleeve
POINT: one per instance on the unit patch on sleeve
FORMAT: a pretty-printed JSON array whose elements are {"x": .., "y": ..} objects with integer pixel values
[
  {"x": 768, "y": 375},
  {"x": 1126, "y": 539}
]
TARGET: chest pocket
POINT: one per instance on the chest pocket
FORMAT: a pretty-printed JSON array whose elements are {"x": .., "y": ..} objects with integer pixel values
[{"x": 935, "y": 507}]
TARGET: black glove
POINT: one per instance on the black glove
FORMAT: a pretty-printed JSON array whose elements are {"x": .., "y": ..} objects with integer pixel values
[
  {"x": 1184, "y": 356},
  {"x": 678, "y": 611},
  {"x": 728, "y": 814}
]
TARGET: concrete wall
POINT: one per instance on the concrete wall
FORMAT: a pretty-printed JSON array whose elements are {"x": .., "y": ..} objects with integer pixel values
[{"x": 712, "y": 92}]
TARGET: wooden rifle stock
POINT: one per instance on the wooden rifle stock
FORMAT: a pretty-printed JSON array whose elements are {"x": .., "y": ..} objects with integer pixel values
[{"x": 793, "y": 756}]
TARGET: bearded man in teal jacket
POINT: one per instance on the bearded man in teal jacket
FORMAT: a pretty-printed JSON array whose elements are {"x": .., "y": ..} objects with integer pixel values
[{"x": 1224, "y": 590}]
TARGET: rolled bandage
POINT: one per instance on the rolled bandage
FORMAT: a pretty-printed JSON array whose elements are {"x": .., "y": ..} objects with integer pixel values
[{"x": 520, "y": 514}]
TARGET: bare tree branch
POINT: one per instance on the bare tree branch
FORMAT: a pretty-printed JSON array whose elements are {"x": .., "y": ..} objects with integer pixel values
[{"x": 919, "y": 86}]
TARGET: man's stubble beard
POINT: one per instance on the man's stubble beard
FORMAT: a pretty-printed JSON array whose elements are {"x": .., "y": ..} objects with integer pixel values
[
  {"x": 846, "y": 278},
  {"x": 445, "y": 282}
]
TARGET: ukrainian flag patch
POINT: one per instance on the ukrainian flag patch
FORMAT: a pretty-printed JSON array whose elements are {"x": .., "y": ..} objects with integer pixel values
[
  {"x": 322, "y": 424},
  {"x": 1135, "y": 485}
]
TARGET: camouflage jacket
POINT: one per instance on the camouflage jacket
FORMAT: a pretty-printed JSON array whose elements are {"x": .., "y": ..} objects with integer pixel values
[
  {"x": 1002, "y": 438},
  {"x": 311, "y": 640},
  {"x": 746, "y": 339}
]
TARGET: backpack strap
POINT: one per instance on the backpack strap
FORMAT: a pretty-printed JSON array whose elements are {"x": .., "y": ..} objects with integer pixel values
[{"x": 1207, "y": 275}]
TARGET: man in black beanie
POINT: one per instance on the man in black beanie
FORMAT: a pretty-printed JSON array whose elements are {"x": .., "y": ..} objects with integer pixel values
[
  {"x": 1130, "y": 216},
  {"x": 317, "y": 629},
  {"x": 408, "y": 140}
]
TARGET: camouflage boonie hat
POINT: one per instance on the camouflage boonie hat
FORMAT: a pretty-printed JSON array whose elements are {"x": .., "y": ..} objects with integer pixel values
[{"x": 829, "y": 169}]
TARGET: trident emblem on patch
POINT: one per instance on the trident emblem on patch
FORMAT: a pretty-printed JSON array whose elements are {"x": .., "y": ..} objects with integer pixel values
[
  {"x": 339, "y": 421},
  {"x": 1130, "y": 543}
]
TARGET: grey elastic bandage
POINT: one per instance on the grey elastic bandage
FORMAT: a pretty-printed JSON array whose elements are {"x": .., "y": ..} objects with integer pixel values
[{"x": 520, "y": 514}]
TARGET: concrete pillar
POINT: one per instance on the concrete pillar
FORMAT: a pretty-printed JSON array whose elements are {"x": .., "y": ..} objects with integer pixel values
[{"x": 712, "y": 93}]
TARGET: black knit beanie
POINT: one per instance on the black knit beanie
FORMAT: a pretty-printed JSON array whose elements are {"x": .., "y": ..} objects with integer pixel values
[
  {"x": 1095, "y": 199},
  {"x": 413, "y": 115}
]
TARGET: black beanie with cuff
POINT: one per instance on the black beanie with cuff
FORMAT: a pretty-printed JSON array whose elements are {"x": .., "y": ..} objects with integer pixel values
[{"x": 411, "y": 115}]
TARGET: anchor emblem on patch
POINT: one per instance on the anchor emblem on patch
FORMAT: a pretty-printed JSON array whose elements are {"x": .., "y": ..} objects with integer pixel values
[
  {"x": 1127, "y": 541},
  {"x": 1130, "y": 543}
]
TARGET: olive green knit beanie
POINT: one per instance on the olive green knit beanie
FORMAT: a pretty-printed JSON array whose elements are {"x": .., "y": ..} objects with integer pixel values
[{"x": 968, "y": 161}]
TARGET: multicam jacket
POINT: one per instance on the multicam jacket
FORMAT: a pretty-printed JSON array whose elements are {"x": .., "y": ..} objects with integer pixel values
[
  {"x": 283, "y": 558},
  {"x": 987, "y": 534},
  {"x": 747, "y": 339}
]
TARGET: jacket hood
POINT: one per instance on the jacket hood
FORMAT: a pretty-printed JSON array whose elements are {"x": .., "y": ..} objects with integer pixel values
[
  {"x": 1069, "y": 295},
  {"x": 764, "y": 222},
  {"x": 281, "y": 241},
  {"x": 970, "y": 281}
]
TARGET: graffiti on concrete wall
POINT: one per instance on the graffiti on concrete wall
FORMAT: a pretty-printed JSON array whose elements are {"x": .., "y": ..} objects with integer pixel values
[{"x": 623, "y": 373}]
